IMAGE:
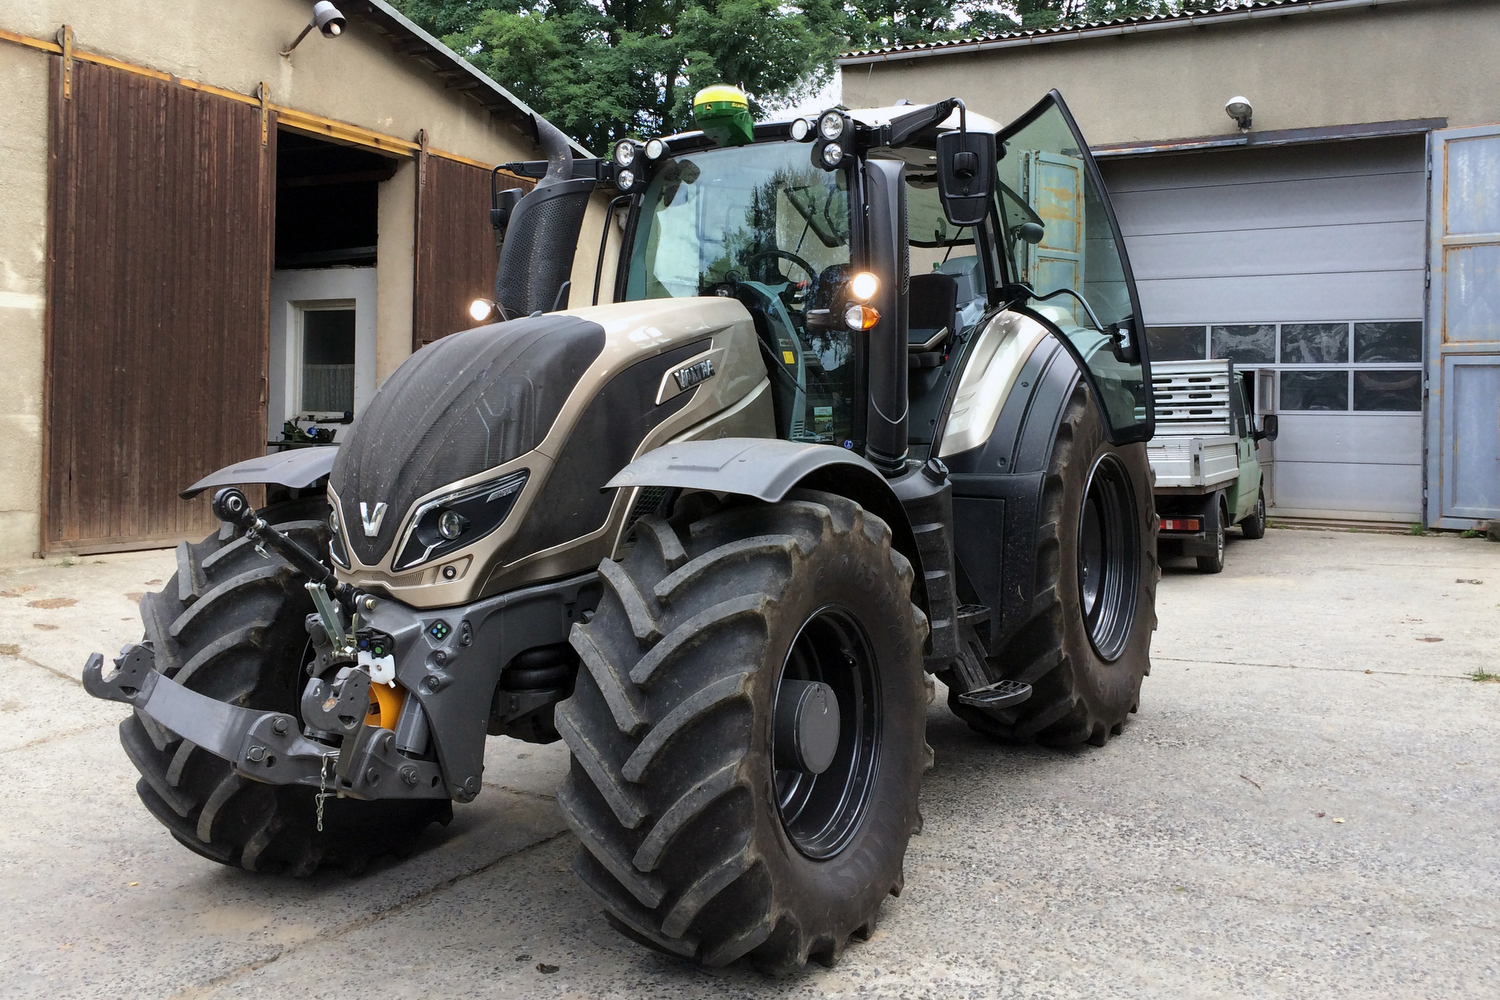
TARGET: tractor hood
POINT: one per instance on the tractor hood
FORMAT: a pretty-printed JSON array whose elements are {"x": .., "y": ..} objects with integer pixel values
[
  {"x": 481, "y": 463},
  {"x": 463, "y": 404}
]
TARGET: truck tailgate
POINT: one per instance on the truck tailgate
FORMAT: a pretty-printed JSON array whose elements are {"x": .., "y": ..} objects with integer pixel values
[{"x": 1188, "y": 462}]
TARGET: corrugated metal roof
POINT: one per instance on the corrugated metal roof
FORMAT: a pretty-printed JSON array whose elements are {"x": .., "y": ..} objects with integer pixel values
[{"x": 1222, "y": 13}]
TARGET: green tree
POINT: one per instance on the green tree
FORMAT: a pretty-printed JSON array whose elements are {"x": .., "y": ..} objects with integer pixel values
[{"x": 604, "y": 69}]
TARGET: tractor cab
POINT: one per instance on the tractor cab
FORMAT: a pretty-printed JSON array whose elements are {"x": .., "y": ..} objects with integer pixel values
[{"x": 870, "y": 245}]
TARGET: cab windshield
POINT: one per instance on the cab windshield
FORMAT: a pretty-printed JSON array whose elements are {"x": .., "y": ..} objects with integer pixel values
[{"x": 760, "y": 223}]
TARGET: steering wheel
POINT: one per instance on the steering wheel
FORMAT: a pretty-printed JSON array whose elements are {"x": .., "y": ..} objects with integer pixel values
[{"x": 811, "y": 271}]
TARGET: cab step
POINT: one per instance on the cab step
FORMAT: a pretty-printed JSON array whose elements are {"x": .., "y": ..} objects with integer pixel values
[
  {"x": 996, "y": 696},
  {"x": 973, "y": 614}
]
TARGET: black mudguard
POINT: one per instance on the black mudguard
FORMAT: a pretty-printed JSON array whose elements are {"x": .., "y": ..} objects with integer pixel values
[{"x": 997, "y": 490}]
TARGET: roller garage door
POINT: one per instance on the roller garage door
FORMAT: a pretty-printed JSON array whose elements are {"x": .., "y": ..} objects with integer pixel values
[{"x": 1307, "y": 260}]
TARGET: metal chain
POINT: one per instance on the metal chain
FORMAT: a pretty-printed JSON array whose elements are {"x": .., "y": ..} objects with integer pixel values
[{"x": 323, "y": 793}]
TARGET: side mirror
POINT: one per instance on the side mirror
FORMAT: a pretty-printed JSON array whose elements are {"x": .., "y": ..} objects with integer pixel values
[
  {"x": 966, "y": 175},
  {"x": 1029, "y": 232},
  {"x": 1270, "y": 427}
]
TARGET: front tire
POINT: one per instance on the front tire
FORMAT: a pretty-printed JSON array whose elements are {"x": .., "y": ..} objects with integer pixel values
[
  {"x": 233, "y": 629},
  {"x": 698, "y": 834},
  {"x": 1087, "y": 645},
  {"x": 1254, "y": 526}
]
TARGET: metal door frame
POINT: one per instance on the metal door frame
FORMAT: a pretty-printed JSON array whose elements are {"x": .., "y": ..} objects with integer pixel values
[{"x": 1437, "y": 423}]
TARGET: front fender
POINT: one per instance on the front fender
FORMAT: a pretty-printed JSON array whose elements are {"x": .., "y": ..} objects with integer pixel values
[
  {"x": 768, "y": 468},
  {"x": 764, "y": 468},
  {"x": 295, "y": 469}
]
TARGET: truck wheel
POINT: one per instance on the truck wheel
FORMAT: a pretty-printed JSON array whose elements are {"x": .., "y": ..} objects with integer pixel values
[
  {"x": 1254, "y": 526},
  {"x": 1218, "y": 513},
  {"x": 230, "y": 624},
  {"x": 1087, "y": 645},
  {"x": 748, "y": 735}
]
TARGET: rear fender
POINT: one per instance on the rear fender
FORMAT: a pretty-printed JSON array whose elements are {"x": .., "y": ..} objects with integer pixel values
[{"x": 768, "y": 469}]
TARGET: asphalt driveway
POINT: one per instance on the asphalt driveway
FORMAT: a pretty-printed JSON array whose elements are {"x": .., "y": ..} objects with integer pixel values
[{"x": 1305, "y": 806}]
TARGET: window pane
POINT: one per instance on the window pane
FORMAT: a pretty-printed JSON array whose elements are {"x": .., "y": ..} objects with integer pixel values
[
  {"x": 1387, "y": 342},
  {"x": 1175, "y": 343},
  {"x": 1375, "y": 390},
  {"x": 1314, "y": 343},
  {"x": 327, "y": 360},
  {"x": 1245, "y": 345},
  {"x": 1315, "y": 390}
]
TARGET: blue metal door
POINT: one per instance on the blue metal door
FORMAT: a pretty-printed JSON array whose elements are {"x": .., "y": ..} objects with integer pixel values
[{"x": 1463, "y": 329}]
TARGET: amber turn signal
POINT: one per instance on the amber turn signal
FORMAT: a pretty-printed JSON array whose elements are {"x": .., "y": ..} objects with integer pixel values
[{"x": 858, "y": 317}]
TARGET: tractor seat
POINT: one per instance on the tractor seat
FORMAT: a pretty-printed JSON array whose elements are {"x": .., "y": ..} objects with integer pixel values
[{"x": 932, "y": 317}]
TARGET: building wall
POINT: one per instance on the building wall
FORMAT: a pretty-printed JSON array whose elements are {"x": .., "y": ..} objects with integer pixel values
[
  {"x": 1417, "y": 60},
  {"x": 23, "y": 287},
  {"x": 357, "y": 79}
]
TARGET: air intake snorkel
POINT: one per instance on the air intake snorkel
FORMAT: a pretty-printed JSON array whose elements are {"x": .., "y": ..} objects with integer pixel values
[{"x": 538, "y": 232}]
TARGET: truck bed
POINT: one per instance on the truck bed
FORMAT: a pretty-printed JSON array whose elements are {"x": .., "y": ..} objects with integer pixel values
[{"x": 1195, "y": 448}]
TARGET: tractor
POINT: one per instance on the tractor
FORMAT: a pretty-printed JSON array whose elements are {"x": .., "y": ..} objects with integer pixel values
[{"x": 866, "y": 403}]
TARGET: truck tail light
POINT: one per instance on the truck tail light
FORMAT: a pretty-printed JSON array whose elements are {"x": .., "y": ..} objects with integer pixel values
[{"x": 1180, "y": 524}]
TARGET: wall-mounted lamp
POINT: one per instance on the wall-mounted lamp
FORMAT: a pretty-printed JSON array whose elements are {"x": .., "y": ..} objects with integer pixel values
[
  {"x": 1239, "y": 109},
  {"x": 326, "y": 18}
]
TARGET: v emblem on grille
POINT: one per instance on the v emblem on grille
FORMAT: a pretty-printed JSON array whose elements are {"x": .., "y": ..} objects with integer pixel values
[{"x": 371, "y": 523}]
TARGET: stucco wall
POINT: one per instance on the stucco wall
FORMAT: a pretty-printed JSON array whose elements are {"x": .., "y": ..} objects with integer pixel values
[
  {"x": 357, "y": 78},
  {"x": 23, "y": 286},
  {"x": 1421, "y": 60}
]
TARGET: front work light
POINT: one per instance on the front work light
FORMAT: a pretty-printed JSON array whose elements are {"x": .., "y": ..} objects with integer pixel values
[
  {"x": 625, "y": 180},
  {"x": 831, "y": 125},
  {"x": 833, "y": 154},
  {"x": 624, "y": 153},
  {"x": 802, "y": 130},
  {"x": 863, "y": 286},
  {"x": 655, "y": 149},
  {"x": 481, "y": 310}
]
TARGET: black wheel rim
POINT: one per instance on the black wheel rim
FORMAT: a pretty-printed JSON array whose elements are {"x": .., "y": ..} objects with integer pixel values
[
  {"x": 1108, "y": 557},
  {"x": 821, "y": 812}
]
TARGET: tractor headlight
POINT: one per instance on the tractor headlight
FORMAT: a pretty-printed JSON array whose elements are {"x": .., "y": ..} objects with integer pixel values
[
  {"x": 625, "y": 180},
  {"x": 831, "y": 125},
  {"x": 655, "y": 149},
  {"x": 624, "y": 153},
  {"x": 451, "y": 522},
  {"x": 833, "y": 154},
  {"x": 336, "y": 548}
]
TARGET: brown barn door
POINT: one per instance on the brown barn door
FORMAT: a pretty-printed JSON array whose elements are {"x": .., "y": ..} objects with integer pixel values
[
  {"x": 159, "y": 258},
  {"x": 455, "y": 245}
]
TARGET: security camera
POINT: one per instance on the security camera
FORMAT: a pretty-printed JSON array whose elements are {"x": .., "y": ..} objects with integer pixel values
[
  {"x": 328, "y": 19},
  {"x": 1239, "y": 109}
]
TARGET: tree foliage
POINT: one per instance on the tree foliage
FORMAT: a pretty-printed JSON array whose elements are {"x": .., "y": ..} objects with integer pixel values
[{"x": 604, "y": 69}]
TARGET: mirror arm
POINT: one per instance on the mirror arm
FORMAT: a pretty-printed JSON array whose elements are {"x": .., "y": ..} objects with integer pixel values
[{"x": 1082, "y": 301}]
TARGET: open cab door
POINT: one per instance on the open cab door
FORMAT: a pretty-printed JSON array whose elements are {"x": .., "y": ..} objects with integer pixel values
[{"x": 1066, "y": 262}]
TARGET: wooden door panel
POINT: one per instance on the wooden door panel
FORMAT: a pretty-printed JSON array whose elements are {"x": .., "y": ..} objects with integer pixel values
[{"x": 159, "y": 258}]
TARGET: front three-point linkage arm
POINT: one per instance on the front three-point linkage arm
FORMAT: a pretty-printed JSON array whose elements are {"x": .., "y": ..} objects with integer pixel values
[{"x": 231, "y": 505}]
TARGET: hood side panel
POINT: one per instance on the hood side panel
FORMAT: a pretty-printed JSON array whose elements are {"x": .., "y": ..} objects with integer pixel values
[
  {"x": 574, "y": 503},
  {"x": 463, "y": 404}
]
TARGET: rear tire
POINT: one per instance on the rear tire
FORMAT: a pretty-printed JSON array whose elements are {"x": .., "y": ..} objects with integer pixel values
[
  {"x": 1254, "y": 526},
  {"x": 691, "y": 838},
  {"x": 234, "y": 630},
  {"x": 1087, "y": 645},
  {"x": 1214, "y": 563}
]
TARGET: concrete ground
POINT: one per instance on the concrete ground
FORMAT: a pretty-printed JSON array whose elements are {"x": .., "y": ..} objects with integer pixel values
[{"x": 1305, "y": 807}]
